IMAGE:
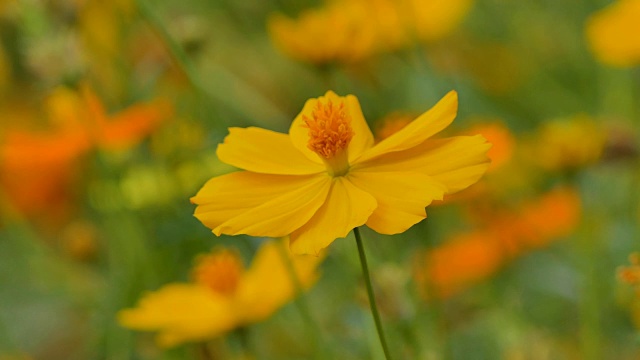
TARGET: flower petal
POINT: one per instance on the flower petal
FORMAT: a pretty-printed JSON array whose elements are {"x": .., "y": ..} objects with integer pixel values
[
  {"x": 268, "y": 285},
  {"x": 419, "y": 130},
  {"x": 181, "y": 313},
  {"x": 264, "y": 151},
  {"x": 455, "y": 162},
  {"x": 260, "y": 204},
  {"x": 362, "y": 139},
  {"x": 345, "y": 208},
  {"x": 401, "y": 196}
]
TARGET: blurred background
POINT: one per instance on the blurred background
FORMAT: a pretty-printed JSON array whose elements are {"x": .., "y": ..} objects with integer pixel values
[{"x": 110, "y": 113}]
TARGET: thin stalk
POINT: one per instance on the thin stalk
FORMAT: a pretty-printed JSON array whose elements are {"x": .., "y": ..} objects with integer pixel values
[
  {"x": 372, "y": 299},
  {"x": 301, "y": 302},
  {"x": 179, "y": 56}
]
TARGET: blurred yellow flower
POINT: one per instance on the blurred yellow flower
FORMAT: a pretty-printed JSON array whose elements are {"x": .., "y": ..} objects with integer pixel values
[
  {"x": 612, "y": 33},
  {"x": 346, "y": 31},
  {"x": 431, "y": 20},
  {"x": 338, "y": 32},
  {"x": 222, "y": 296},
  {"x": 327, "y": 176},
  {"x": 568, "y": 143}
]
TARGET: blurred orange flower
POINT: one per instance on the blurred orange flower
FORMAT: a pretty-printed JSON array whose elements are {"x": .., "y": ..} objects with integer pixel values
[
  {"x": 222, "y": 296},
  {"x": 471, "y": 257},
  {"x": 612, "y": 33},
  {"x": 503, "y": 142},
  {"x": 126, "y": 128},
  {"x": 39, "y": 168},
  {"x": 631, "y": 274}
]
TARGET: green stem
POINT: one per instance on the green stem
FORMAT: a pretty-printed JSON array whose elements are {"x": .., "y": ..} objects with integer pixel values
[
  {"x": 372, "y": 300},
  {"x": 301, "y": 302},
  {"x": 175, "y": 50}
]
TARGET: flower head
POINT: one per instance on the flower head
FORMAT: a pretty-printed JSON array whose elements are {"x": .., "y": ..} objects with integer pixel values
[
  {"x": 470, "y": 257},
  {"x": 222, "y": 296},
  {"x": 338, "y": 32},
  {"x": 566, "y": 144},
  {"x": 612, "y": 33},
  {"x": 327, "y": 176}
]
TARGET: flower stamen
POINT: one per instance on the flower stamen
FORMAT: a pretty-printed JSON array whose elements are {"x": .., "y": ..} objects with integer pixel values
[
  {"x": 220, "y": 271},
  {"x": 330, "y": 133}
]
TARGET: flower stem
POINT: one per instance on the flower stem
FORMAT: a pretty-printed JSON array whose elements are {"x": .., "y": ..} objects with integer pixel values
[
  {"x": 301, "y": 303},
  {"x": 372, "y": 300}
]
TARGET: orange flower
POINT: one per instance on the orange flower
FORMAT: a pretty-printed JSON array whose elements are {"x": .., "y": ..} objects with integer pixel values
[
  {"x": 126, "y": 128},
  {"x": 38, "y": 170},
  {"x": 502, "y": 140},
  {"x": 631, "y": 274},
  {"x": 471, "y": 257},
  {"x": 463, "y": 260}
]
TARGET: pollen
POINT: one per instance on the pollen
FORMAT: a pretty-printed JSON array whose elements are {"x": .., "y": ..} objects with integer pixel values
[
  {"x": 220, "y": 270},
  {"x": 330, "y": 129}
]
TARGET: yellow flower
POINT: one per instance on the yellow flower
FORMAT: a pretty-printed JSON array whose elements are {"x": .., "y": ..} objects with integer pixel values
[
  {"x": 432, "y": 20},
  {"x": 612, "y": 33},
  {"x": 569, "y": 143},
  {"x": 339, "y": 32},
  {"x": 327, "y": 177},
  {"x": 222, "y": 296}
]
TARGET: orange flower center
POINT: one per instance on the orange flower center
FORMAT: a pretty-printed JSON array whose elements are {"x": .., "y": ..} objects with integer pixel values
[
  {"x": 330, "y": 133},
  {"x": 220, "y": 271},
  {"x": 631, "y": 274}
]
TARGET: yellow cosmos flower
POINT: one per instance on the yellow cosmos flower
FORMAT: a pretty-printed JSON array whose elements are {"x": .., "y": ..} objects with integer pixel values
[
  {"x": 570, "y": 143},
  {"x": 222, "y": 296},
  {"x": 350, "y": 38},
  {"x": 434, "y": 19},
  {"x": 612, "y": 33},
  {"x": 327, "y": 176}
]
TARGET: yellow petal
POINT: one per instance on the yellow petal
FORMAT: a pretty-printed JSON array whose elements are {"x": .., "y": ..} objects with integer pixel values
[
  {"x": 181, "y": 313},
  {"x": 401, "y": 196},
  {"x": 362, "y": 139},
  {"x": 268, "y": 285},
  {"x": 265, "y": 151},
  {"x": 455, "y": 162},
  {"x": 260, "y": 204},
  {"x": 419, "y": 130},
  {"x": 345, "y": 208}
]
